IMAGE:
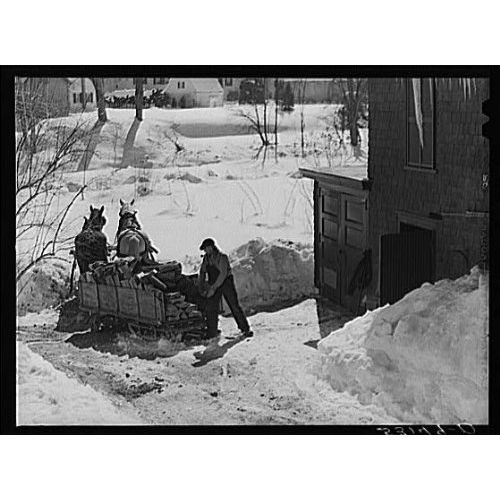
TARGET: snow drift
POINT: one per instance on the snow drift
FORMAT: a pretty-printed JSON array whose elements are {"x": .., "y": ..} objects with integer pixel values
[
  {"x": 46, "y": 396},
  {"x": 423, "y": 358},
  {"x": 268, "y": 274},
  {"x": 46, "y": 285},
  {"x": 273, "y": 273}
]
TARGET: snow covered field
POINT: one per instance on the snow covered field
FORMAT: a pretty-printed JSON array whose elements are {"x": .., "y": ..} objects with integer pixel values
[{"x": 215, "y": 187}]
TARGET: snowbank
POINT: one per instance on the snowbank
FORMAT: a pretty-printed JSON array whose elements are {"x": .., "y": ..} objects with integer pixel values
[
  {"x": 46, "y": 285},
  {"x": 46, "y": 396},
  {"x": 268, "y": 274},
  {"x": 423, "y": 358},
  {"x": 272, "y": 273}
]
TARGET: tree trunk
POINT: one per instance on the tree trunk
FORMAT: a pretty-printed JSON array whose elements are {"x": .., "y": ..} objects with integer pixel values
[
  {"x": 302, "y": 94},
  {"x": 139, "y": 98},
  {"x": 257, "y": 124},
  {"x": 353, "y": 130},
  {"x": 101, "y": 103},
  {"x": 265, "y": 121},
  {"x": 302, "y": 127},
  {"x": 276, "y": 100},
  {"x": 84, "y": 94}
]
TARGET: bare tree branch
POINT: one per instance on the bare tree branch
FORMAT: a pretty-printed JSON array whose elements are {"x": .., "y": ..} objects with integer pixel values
[{"x": 44, "y": 149}]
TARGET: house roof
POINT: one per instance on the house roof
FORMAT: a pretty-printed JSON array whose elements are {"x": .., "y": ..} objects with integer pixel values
[
  {"x": 206, "y": 84},
  {"x": 126, "y": 93}
]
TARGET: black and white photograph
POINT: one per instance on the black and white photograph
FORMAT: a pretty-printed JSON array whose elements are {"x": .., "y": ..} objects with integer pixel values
[
  {"x": 244, "y": 245},
  {"x": 252, "y": 250}
]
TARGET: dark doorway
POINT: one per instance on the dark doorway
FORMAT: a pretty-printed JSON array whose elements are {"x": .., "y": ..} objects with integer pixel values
[{"x": 406, "y": 261}]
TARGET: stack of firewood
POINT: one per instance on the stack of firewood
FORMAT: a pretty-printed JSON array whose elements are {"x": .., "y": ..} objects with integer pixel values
[
  {"x": 178, "y": 308},
  {"x": 111, "y": 273},
  {"x": 169, "y": 274},
  {"x": 166, "y": 274}
]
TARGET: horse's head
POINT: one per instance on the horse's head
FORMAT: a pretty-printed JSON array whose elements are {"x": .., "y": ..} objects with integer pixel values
[
  {"x": 127, "y": 208},
  {"x": 128, "y": 217},
  {"x": 129, "y": 220},
  {"x": 96, "y": 219}
]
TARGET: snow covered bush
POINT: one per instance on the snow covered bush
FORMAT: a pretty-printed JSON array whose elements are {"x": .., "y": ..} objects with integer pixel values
[
  {"x": 423, "y": 358},
  {"x": 45, "y": 285}
]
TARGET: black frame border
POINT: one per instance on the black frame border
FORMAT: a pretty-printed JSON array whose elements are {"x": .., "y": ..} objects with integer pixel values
[{"x": 8, "y": 301}]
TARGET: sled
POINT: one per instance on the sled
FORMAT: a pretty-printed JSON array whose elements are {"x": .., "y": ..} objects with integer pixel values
[{"x": 144, "y": 310}]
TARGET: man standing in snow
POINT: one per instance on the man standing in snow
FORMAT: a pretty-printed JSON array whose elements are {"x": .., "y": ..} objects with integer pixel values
[{"x": 216, "y": 265}]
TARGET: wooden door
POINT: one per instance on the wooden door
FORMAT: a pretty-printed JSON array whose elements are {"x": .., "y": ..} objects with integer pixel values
[
  {"x": 329, "y": 247},
  {"x": 354, "y": 227}
]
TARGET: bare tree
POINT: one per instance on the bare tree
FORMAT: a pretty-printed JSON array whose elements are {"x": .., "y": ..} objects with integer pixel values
[
  {"x": 43, "y": 150},
  {"x": 301, "y": 94},
  {"x": 257, "y": 116},
  {"x": 139, "y": 98},
  {"x": 354, "y": 92},
  {"x": 94, "y": 136},
  {"x": 264, "y": 117},
  {"x": 277, "y": 97},
  {"x": 83, "y": 93},
  {"x": 99, "y": 95},
  {"x": 256, "y": 122}
]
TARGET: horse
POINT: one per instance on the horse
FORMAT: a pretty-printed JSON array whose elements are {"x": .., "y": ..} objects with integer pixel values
[
  {"x": 91, "y": 242},
  {"x": 130, "y": 239},
  {"x": 126, "y": 212}
]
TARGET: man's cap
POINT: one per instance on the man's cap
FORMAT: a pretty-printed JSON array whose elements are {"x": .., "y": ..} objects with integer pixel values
[{"x": 207, "y": 242}]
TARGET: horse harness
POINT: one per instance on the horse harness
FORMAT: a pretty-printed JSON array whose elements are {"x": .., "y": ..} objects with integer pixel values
[{"x": 148, "y": 252}]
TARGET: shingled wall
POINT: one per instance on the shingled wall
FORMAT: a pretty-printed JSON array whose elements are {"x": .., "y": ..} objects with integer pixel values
[{"x": 461, "y": 158}]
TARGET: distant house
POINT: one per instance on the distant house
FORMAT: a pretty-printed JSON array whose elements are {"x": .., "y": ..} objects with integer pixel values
[
  {"x": 231, "y": 87},
  {"x": 194, "y": 92},
  {"x": 112, "y": 84},
  {"x": 59, "y": 96},
  {"x": 78, "y": 90},
  {"x": 423, "y": 211},
  {"x": 314, "y": 90}
]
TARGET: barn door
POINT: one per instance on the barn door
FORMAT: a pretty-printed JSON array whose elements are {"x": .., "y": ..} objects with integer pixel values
[
  {"x": 406, "y": 262},
  {"x": 329, "y": 247},
  {"x": 354, "y": 222}
]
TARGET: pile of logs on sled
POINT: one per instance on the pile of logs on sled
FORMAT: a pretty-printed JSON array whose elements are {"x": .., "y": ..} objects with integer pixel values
[
  {"x": 164, "y": 277},
  {"x": 123, "y": 272},
  {"x": 178, "y": 308}
]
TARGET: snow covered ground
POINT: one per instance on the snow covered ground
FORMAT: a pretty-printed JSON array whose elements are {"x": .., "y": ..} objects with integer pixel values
[
  {"x": 424, "y": 358},
  {"x": 268, "y": 379},
  {"x": 46, "y": 396}
]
